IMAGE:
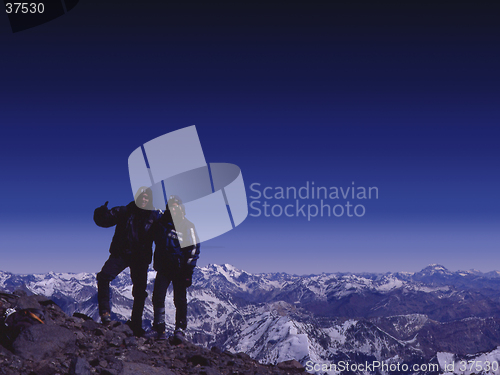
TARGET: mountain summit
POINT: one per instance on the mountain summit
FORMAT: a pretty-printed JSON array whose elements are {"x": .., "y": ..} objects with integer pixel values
[{"x": 60, "y": 344}]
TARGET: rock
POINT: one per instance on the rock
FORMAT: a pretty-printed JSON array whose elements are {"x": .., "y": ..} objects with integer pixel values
[
  {"x": 209, "y": 371},
  {"x": 130, "y": 368},
  {"x": 103, "y": 371},
  {"x": 229, "y": 354},
  {"x": 5, "y": 354},
  {"x": 82, "y": 316},
  {"x": 198, "y": 359},
  {"x": 291, "y": 365},
  {"x": 20, "y": 293},
  {"x": 46, "y": 369},
  {"x": 90, "y": 325},
  {"x": 243, "y": 356},
  {"x": 136, "y": 356},
  {"x": 99, "y": 331},
  {"x": 112, "y": 362},
  {"x": 130, "y": 342},
  {"x": 176, "y": 363},
  {"x": 114, "y": 339},
  {"x": 48, "y": 303},
  {"x": 28, "y": 302},
  {"x": 124, "y": 328},
  {"x": 41, "y": 341},
  {"x": 216, "y": 349},
  {"x": 79, "y": 366}
]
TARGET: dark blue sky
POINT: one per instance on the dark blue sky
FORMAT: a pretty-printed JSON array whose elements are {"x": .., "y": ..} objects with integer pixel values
[{"x": 401, "y": 97}]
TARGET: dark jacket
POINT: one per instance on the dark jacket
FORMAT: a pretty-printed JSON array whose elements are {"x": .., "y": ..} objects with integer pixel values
[
  {"x": 133, "y": 238},
  {"x": 169, "y": 256}
]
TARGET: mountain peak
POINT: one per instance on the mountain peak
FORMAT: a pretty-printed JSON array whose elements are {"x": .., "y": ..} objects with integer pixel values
[{"x": 435, "y": 268}]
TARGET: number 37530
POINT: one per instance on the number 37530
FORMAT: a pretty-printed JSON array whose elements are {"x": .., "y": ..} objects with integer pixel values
[{"x": 24, "y": 7}]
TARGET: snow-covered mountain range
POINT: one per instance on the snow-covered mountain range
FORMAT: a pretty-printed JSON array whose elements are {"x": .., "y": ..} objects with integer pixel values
[{"x": 429, "y": 317}]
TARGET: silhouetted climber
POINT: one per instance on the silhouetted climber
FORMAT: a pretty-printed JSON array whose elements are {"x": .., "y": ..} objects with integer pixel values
[
  {"x": 131, "y": 247},
  {"x": 174, "y": 264}
]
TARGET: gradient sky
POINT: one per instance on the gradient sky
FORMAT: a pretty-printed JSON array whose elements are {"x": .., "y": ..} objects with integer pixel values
[{"x": 401, "y": 97}]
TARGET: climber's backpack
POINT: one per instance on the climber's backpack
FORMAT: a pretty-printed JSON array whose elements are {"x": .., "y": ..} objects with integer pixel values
[{"x": 15, "y": 320}]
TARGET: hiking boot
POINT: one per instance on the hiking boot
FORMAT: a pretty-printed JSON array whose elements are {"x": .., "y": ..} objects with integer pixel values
[
  {"x": 136, "y": 328},
  {"x": 179, "y": 336},
  {"x": 151, "y": 334},
  {"x": 106, "y": 318},
  {"x": 155, "y": 334},
  {"x": 139, "y": 332}
]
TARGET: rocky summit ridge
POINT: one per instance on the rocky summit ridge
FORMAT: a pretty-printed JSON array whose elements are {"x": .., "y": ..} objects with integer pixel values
[{"x": 77, "y": 345}]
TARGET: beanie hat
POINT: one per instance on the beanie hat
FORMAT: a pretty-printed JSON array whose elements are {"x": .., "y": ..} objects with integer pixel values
[
  {"x": 176, "y": 199},
  {"x": 149, "y": 192}
]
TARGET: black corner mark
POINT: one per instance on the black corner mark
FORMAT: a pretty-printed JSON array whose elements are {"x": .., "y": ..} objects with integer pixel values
[{"x": 24, "y": 14}]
